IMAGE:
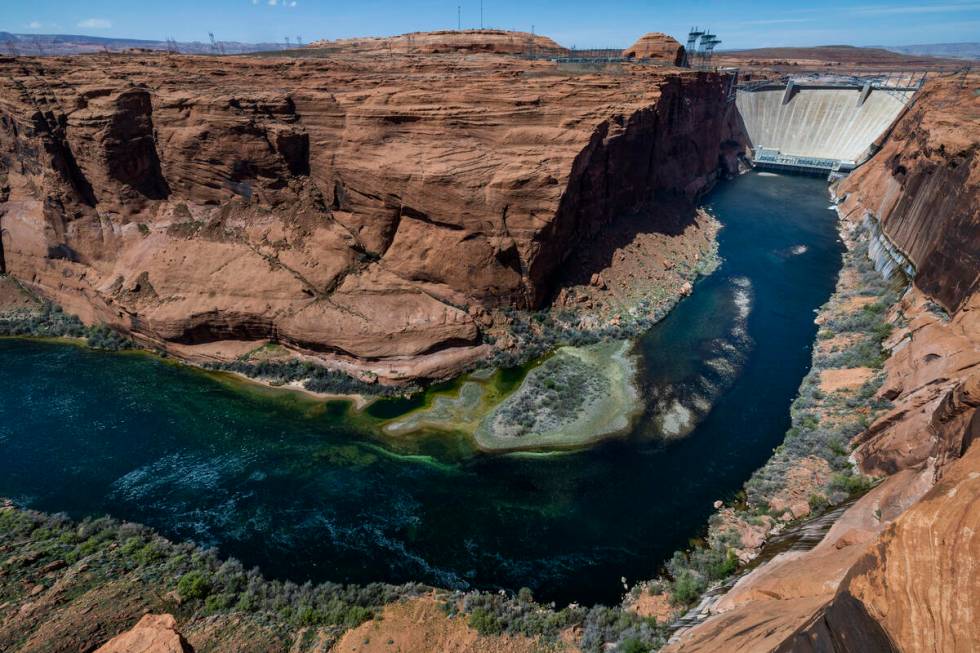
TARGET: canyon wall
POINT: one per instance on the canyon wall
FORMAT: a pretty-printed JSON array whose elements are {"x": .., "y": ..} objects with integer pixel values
[
  {"x": 898, "y": 569},
  {"x": 376, "y": 209}
]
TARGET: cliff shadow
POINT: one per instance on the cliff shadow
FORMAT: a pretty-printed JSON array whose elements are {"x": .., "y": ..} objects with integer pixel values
[{"x": 631, "y": 246}]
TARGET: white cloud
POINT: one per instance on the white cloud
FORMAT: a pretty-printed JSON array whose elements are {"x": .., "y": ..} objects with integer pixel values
[
  {"x": 273, "y": 3},
  {"x": 95, "y": 23},
  {"x": 293, "y": 3},
  {"x": 34, "y": 24}
]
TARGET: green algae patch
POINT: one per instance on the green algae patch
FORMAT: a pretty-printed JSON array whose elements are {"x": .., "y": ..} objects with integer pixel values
[
  {"x": 569, "y": 399},
  {"x": 574, "y": 398},
  {"x": 457, "y": 406}
]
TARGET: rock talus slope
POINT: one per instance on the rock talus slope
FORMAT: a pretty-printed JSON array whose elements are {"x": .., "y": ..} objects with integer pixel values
[
  {"x": 898, "y": 570},
  {"x": 371, "y": 208}
]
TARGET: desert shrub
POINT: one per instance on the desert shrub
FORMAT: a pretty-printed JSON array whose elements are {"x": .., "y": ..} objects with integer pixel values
[
  {"x": 687, "y": 587},
  {"x": 633, "y": 645},
  {"x": 851, "y": 484},
  {"x": 315, "y": 378},
  {"x": 194, "y": 586},
  {"x": 485, "y": 622}
]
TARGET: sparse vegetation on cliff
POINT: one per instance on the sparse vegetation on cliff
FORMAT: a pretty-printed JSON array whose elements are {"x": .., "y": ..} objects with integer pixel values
[
  {"x": 314, "y": 378},
  {"x": 51, "y": 559},
  {"x": 181, "y": 578},
  {"x": 601, "y": 628},
  {"x": 50, "y": 321}
]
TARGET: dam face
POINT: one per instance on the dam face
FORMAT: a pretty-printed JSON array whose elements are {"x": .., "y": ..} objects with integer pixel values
[{"x": 820, "y": 126}]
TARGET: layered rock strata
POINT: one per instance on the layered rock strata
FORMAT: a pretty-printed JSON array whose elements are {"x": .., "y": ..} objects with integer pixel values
[
  {"x": 371, "y": 210},
  {"x": 897, "y": 571}
]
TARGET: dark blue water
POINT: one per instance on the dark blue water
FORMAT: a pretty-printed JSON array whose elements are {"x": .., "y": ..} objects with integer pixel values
[{"x": 307, "y": 492}]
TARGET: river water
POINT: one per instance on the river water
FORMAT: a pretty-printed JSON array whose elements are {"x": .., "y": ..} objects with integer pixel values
[{"x": 306, "y": 490}]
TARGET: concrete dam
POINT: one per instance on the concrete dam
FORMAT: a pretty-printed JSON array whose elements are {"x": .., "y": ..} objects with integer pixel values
[{"x": 819, "y": 125}]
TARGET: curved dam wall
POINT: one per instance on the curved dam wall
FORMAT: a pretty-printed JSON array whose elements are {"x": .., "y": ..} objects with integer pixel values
[{"x": 819, "y": 122}]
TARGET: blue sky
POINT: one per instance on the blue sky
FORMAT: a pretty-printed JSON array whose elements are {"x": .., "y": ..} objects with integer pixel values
[{"x": 599, "y": 23}]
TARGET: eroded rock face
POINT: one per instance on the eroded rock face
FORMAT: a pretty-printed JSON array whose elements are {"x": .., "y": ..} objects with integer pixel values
[
  {"x": 154, "y": 633},
  {"x": 658, "y": 46},
  {"x": 370, "y": 208},
  {"x": 924, "y": 188},
  {"x": 898, "y": 570}
]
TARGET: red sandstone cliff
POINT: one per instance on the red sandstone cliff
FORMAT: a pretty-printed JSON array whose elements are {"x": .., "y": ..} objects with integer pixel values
[
  {"x": 898, "y": 570},
  {"x": 372, "y": 208}
]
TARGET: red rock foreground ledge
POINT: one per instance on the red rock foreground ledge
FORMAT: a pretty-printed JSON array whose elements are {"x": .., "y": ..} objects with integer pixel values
[
  {"x": 154, "y": 633},
  {"x": 362, "y": 207}
]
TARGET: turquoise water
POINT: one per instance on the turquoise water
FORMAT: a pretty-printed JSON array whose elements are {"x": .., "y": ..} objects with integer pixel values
[{"x": 306, "y": 492}]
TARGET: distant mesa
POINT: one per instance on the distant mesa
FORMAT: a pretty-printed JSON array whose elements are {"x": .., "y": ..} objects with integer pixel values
[
  {"x": 656, "y": 45},
  {"x": 473, "y": 41}
]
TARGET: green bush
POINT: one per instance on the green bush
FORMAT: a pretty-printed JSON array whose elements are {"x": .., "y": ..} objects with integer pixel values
[
  {"x": 484, "y": 622},
  {"x": 686, "y": 588},
  {"x": 633, "y": 645},
  {"x": 193, "y": 586}
]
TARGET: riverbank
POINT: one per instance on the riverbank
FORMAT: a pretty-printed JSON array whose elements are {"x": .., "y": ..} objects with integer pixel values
[{"x": 812, "y": 471}]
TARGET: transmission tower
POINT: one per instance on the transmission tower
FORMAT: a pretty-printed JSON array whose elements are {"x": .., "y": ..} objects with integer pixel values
[
  {"x": 37, "y": 44},
  {"x": 299, "y": 40},
  {"x": 11, "y": 48},
  {"x": 692, "y": 43},
  {"x": 287, "y": 43},
  {"x": 708, "y": 43},
  {"x": 214, "y": 44}
]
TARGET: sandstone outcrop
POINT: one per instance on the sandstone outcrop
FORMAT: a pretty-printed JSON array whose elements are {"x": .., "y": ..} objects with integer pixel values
[
  {"x": 154, "y": 633},
  {"x": 897, "y": 571},
  {"x": 494, "y": 41},
  {"x": 369, "y": 209},
  {"x": 657, "y": 46}
]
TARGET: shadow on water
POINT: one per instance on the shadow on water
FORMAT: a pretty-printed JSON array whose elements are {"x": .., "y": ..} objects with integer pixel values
[{"x": 312, "y": 494}]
